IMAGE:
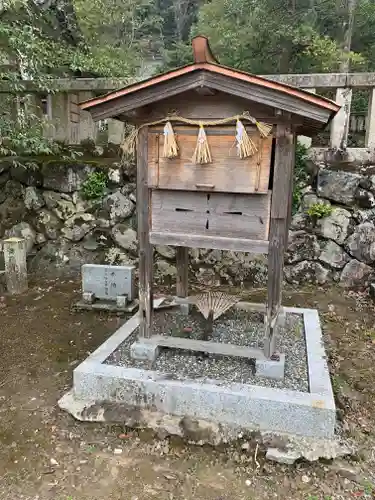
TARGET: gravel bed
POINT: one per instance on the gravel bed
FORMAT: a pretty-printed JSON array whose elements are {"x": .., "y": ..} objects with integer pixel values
[{"x": 235, "y": 327}]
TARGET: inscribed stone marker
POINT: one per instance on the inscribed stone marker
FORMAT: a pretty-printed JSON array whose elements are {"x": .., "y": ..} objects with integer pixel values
[{"x": 108, "y": 282}]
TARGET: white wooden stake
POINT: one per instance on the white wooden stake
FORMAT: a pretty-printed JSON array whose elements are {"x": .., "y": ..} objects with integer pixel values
[
  {"x": 15, "y": 265},
  {"x": 370, "y": 126}
]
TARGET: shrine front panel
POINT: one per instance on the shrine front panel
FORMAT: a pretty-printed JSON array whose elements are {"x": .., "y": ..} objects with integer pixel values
[
  {"x": 211, "y": 214},
  {"x": 226, "y": 173}
]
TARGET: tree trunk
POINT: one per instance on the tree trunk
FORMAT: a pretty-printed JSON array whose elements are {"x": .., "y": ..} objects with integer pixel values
[
  {"x": 348, "y": 33},
  {"x": 348, "y": 26}
]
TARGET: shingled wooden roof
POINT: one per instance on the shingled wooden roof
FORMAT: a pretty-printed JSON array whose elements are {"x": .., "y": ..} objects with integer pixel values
[{"x": 207, "y": 72}]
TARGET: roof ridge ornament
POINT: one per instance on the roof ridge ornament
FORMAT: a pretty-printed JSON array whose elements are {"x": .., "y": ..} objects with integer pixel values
[{"x": 202, "y": 51}]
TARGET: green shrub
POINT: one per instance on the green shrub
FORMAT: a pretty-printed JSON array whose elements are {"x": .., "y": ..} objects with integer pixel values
[
  {"x": 319, "y": 210},
  {"x": 300, "y": 175},
  {"x": 94, "y": 186}
]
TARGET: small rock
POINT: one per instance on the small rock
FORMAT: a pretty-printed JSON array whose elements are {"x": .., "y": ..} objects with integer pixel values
[
  {"x": 364, "y": 199},
  {"x": 118, "y": 206},
  {"x": 305, "y": 479},
  {"x": 338, "y": 185},
  {"x": 333, "y": 255},
  {"x": 299, "y": 221},
  {"x": 125, "y": 237},
  {"x": 356, "y": 275},
  {"x": 33, "y": 199},
  {"x": 49, "y": 470},
  {"x": 361, "y": 243},
  {"x": 40, "y": 238},
  {"x": 301, "y": 246},
  {"x": 335, "y": 226},
  {"x": 245, "y": 446},
  {"x": 117, "y": 451},
  {"x": 282, "y": 457},
  {"x": 248, "y": 482},
  {"x": 60, "y": 204},
  {"x": 78, "y": 226},
  {"x": 368, "y": 183},
  {"x": 164, "y": 269},
  {"x": 53, "y": 462},
  {"x": 306, "y": 272},
  {"x": 46, "y": 222},
  {"x": 165, "y": 251},
  {"x": 344, "y": 469},
  {"x": 170, "y": 477},
  {"x": 114, "y": 175}
]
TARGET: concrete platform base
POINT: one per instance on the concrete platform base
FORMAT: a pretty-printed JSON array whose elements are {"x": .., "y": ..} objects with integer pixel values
[{"x": 216, "y": 410}]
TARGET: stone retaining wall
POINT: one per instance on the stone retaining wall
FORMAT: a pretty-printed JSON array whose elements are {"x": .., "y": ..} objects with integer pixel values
[
  {"x": 339, "y": 247},
  {"x": 42, "y": 201}
]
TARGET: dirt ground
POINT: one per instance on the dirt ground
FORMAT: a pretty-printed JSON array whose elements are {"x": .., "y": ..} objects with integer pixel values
[{"x": 45, "y": 454}]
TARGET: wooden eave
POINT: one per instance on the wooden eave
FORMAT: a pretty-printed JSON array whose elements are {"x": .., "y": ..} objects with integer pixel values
[{"x": 315, "y": 111}]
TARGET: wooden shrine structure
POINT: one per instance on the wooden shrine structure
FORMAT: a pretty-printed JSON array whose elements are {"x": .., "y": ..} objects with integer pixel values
[{"x": 215, "y": 152}]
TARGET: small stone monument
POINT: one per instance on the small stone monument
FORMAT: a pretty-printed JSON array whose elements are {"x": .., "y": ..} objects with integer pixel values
[{"x": 108, "y": 287}]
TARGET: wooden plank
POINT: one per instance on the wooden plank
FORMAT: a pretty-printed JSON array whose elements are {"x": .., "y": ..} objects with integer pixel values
[
  {"x": 145, "y": 249},
  {"x": 266, "y": 96},
  {"x": 206, "y": 346},
  {"x": 145, "y": 96},
  {"x": 280, "y": 205},
  {"x": 245, "y": 216},
  {"x": 217, "y": 106},
  {"x": 226, "y": 173},
  {"x": 211, "y": 214},
  {"x": 174, "y": 210},
  {"x": 212, "y": 242},
  {"x": 182, "y": 264}
]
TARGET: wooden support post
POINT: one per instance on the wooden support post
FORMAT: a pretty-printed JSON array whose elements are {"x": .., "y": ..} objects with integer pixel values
[
  {"x": 370, "y": 126},
  {"x": 182, "y": 261},
  {"x": 340, "y": 123},
  {"x": 278, "y": 236},
  {"x": 145, "y": 248},
  {"x": 15, "y": 265},
  {"x": 182, "y": 284}
]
